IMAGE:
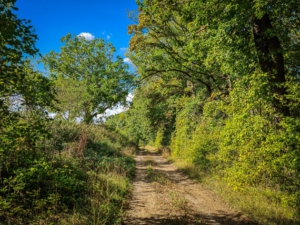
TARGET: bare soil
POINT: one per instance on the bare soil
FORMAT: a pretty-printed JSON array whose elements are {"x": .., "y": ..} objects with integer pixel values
[{"x": 164, "y": 195}]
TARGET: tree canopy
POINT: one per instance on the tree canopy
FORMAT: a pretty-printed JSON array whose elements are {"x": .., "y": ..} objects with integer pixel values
[
  {"x": 89, "y": 78},
  {"x": 212, "y": 44},
  {"x": 50, "y": 169},
  {"x": 219, "y": 86},
  {"x": 17, "y": 39}
]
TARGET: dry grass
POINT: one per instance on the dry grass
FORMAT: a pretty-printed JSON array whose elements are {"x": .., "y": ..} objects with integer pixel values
[
  {"x": 150, "y": 161},
  {"x": 259, "y": 204},
  {"x": 157, "y": 176}
]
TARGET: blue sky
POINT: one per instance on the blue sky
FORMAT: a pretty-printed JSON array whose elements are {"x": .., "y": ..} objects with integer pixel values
[{"x": 53, "y": 19}]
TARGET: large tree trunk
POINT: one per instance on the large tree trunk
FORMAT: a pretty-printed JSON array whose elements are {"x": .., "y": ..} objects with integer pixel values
[{"x": 271, "y": 58}]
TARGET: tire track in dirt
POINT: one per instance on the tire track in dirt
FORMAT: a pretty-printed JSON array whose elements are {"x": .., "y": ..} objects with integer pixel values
[{"x": 163, "y": 195}]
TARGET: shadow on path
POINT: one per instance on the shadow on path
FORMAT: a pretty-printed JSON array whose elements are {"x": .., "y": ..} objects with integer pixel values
[{"x": 180, "y": 201}]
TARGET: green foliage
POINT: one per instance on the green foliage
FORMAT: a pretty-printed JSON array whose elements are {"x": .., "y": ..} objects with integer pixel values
[
  {"x": 24, "y": 96},
  {"x": 87, "y": 77},
  {"x": 16, "y": 40},
  {"x": 195, "y": 139},
  {"x": 159, "y": 138},
  {"x": 252, "y": 145},
  {"x": 134, "y": 123},
  {"x": 47, "y": 185},
  {"x": 227, "y": 76},
  {"x": 39, "y": 187},
  {"x": 245, "y": 143},
  {"x": 53, "y": 172}
]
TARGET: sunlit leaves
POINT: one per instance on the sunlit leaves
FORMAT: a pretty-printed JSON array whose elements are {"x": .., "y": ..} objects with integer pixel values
[
  {"x": 89, "y": 78},
  {"x": 237, "y": 61},
  {"x": 16, "y": 40}
]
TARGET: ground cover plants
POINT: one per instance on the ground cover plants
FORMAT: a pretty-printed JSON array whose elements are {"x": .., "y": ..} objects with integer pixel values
[
  {"x": 219, "y": 88},
  {"x": 55, "y": 168},
  {"x": 78, "y": 176}
]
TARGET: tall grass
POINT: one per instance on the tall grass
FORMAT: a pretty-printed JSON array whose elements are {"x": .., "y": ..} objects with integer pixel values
[
  {"x": 259, "y": 204},
  {"x": 81, "y": 175}
]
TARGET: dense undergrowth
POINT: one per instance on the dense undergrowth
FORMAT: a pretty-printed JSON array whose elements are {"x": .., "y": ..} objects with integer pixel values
[
  {"x": 239, "y": 145},
  {"x": 56, "y": 170},
  {"x": 80, "y": 174},
  {"x": 219, "y": 87},
  {"x": 217, "y": 84},
  {"x": 242, "y": 153}
]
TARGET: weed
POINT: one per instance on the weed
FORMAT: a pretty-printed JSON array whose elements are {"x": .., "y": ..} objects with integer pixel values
[
  {"x": 150, "y": 161},
  {"x": 157, "y": 176},
  {"x": 179, "y": 202},
  {"x": 85, "y": 181},
  {"x": 259, "y": 204}
]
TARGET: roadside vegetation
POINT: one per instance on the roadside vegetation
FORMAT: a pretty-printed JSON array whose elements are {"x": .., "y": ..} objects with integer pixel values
[
  {"x": 216, "y": 87},
  {"x": 57, "y": 164},
  {"x": 79, "y": 175},
  {"x": 219, "y": 91}
]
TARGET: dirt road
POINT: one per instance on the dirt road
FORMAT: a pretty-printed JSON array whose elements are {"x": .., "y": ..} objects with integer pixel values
[{"x": 164, "y": 195}]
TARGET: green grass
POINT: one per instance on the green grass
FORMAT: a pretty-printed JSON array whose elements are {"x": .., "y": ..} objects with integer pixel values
[
  {"x": 265, "y": 206},
  {"x": 259, "y": 204},
  {"x": 150, "y": 161},
  {"x": 157, "y": 176},
  {"x": 179, "y": 202},
  {"x": 79, "y": 176}
]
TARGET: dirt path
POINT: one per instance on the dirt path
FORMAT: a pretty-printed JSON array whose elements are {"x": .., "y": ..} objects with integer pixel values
[{"x": 163, "y": 195}]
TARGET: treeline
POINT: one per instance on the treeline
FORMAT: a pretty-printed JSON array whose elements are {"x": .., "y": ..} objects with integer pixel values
[
  {"x": 219, "y": 86},
  {"x": 57, "y": 166}
]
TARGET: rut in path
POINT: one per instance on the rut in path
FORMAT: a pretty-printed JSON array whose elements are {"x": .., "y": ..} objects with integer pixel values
[{"x": 163, "y": 195}]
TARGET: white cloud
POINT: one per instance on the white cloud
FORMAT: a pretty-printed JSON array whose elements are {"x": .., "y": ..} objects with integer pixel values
[
  {"x": 115, "y": 110},
  {"x": 129, "y": 97},
  {"x": 127, "y": 60},
  {"x": 87, "y": 36},
  {"x": 52, "y": 115},
  {"x": 107, "y": 37},
  {"x": 123, "y": 49}
]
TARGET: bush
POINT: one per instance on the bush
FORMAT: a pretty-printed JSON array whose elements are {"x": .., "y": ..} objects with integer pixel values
[{"x": 80, "y": 172}]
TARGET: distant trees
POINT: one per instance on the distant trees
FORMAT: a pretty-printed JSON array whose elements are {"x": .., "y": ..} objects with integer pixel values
[
  {"x": 221, "y": 83},
  {"x": 89, "y": 79}
]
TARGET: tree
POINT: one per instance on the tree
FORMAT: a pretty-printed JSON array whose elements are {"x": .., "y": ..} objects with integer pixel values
[
  {"x": 17, "y": 38},
  {"x": 213, "y": 44},
  {"x": 240, "y": 58},
  {"x": 20, "y": 85},
  {"x": 89, "y": 79},
  {"x": 164, "y": 44}
]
